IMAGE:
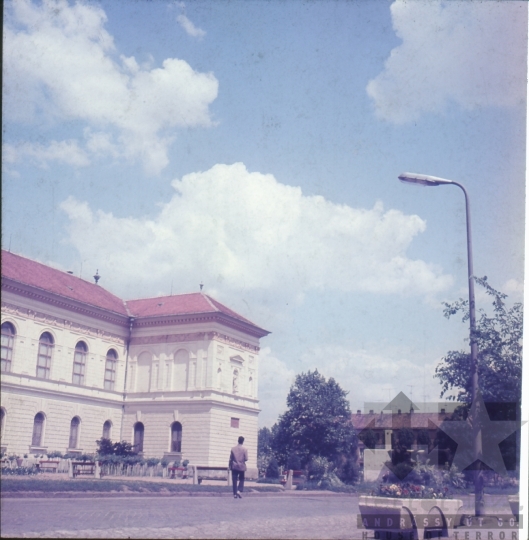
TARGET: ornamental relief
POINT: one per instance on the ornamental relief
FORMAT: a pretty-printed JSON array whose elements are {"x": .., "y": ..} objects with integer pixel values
[
  {"x": 195, "y": 336},
  {"x": 61, "y": 323}
]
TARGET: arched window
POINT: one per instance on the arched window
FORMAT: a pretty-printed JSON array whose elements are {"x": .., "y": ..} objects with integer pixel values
[
  {"x": 74, "y": 432},
  {"x": 110, "y": 369},
  {"x": 139, "y": 430},
  {"x": 79, "y": 361},
  {"x": 38, "y": 429},
  {"x": 8, "y": 340},
  {"x": 107, "y": 427},
  {"x": 44, "y": 357},
  {"x": 176, "y": 437}
]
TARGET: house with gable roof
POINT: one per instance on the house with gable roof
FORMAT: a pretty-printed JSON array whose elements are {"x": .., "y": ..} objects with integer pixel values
[{"x": 176, "y": 376}]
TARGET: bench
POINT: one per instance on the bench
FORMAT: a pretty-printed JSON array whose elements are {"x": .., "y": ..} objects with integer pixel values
[
  {"x": 175, "y": 470},
  {"x": 83, "y": 468},
  {"x": 204, "y": 469},
  {"x": 52, "y": 466}
]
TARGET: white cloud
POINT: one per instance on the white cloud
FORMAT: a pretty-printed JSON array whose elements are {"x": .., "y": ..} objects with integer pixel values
[
  {"x": 275, "y": 380},
  {"x": 247, "y": 232},
  {"x": 189, "y": 27},
  {"x": 61, "y": 63},
  {"x": 372, "y": 376},
  {"x": 67, "y": 152},
  {"x": 471, "y": 52}
]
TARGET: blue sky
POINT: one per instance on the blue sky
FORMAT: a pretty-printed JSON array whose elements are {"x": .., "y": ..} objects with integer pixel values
[{"x": 256, "y": 146}]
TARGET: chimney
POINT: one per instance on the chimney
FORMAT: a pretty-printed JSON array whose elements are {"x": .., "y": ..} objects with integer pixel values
[{"x": 358, "y": 411}]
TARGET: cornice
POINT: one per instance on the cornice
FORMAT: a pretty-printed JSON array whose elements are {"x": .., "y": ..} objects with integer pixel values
[
  {"x": 63, "y": 302},
  {"x": 194, "y": 336},
  {"x": 222, "y": 318},
  {"x": 58, "y": 322},
  {"x": 115, "y": 399}
]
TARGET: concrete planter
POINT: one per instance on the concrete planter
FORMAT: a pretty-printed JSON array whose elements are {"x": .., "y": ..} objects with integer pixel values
[{"x": 417, "y": 519}]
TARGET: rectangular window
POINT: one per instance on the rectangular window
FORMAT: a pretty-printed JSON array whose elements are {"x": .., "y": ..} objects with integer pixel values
[
  {"x": 78, "y": 367},
  {"x": 235, "y": 423},
  {"x": 44, "y": 360},
  {"x": 110, "y": 374}
]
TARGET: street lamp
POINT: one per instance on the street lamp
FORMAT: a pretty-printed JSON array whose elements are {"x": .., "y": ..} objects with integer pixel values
[{"x": 430, "y": 181}]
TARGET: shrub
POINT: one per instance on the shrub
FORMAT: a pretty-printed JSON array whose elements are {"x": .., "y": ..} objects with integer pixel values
[
  {"x": 185, "y": 463},
  {"x": 152, "y": 462},
  {"x": 104, "y": 447},
  {"x": 272, "y": 471}
]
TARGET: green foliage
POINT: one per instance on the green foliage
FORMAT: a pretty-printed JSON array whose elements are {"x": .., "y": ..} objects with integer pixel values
[
  {"x": 369, "y": 438},
  {"x": 165, "y": 463},
  {"x": 322, "y": 473},
  {"x": 185, "y": 463},
  {"x": 406, "y": 437},
  {"x": 423, "y": 438},
  {"x": 20, "y": 471},
  {"x": 264, "y": 450},
  {"x": 499, "y": 340},
  {"x": 152, "y": 462},
  {"x": 105, "y": 447},
  {"x": 272, "y": 471},
  {"x": 316, "y": 423},
  {"x": 293, "y": 462}
]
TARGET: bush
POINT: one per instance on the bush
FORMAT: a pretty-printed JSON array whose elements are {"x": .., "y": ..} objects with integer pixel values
[
  {"x": 55, "y": 454},
  {"x": 322, "y": 473},
  {"x": 272, "y": 471},
  {"x": 293, "y": 462},
  {"x": 20, "y": 471}
]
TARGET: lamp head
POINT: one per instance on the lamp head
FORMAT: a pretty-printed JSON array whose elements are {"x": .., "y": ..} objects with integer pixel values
[{"x": 422, "y": 179}]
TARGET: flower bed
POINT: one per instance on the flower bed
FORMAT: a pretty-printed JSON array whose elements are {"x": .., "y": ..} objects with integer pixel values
[
  {"x": 396, "y": 517},
  {"x": 413, "y": 491}
]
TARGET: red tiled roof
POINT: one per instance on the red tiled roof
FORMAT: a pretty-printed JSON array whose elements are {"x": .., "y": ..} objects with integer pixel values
[
  {"x": 182, "y": 304},
  {"x": 39, "y": 275},
  {"x": 414, "y": 420},
  {"x": 56, "y": 281}
]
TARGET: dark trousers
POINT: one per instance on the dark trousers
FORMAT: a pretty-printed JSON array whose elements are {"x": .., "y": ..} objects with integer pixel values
[{"x": 237, "y": 476}]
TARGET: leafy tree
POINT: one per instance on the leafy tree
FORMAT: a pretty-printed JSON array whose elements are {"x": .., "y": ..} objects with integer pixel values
[
  {"x": 406, "y": 437},
  {"x": 264, "y": 450},
  {"x": 423, "y": 438},
  {"x": 293, "y": 462},
  {"x": 316, "y": 423},
  {"x": 105, "y": 447},
  {"x": 369, "y": 438},
  {"x": 499, "y": 340},
  {"x": 272, "y": 471}
]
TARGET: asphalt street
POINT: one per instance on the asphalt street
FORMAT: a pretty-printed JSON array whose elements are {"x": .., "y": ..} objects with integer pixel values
[{"x": 181, "y": 517}]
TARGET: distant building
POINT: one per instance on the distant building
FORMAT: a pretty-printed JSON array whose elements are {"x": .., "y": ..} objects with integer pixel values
[{"x": 176, "y": 375}]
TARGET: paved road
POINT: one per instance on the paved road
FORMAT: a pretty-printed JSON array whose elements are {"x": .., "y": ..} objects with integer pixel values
[
  {"x": 289, "y": 516},
  {"x": 256, "y": 516}
]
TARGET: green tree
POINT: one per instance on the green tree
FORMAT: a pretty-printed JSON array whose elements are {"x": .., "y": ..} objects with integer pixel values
[
  {"x": 369, "y": 438},
  {"x": 316, "y": 423},
  {"x": 272, "y": 471},
  {"x": 499, "y": 339},
  {"x": 264, "y": 450}
]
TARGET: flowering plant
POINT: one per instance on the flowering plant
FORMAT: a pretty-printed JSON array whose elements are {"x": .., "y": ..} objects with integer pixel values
[{"x": 412, "y": 491}]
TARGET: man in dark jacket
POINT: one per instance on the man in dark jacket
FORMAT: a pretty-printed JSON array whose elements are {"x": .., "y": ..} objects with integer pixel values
[{"x": 238, "y": 459}]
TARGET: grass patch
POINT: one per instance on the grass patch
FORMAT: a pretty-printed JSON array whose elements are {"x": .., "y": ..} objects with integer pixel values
[{"x": 16, "y": 485}]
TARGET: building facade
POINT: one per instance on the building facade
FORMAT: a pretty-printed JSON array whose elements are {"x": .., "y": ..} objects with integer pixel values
[{"x": 176, "y": 376}]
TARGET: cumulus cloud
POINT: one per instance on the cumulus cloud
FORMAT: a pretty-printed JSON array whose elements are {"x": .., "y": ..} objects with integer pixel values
[
  {"x": 247, "y": 232},
  {"x": 373, "y": 375},
  {"x": 66, "y": 152},
  {"x": 189, "y": 27},
  {"x": 275, "y": 380},
  {"x": 473, "y": 53},
  {"x": 61, "y": 64}
]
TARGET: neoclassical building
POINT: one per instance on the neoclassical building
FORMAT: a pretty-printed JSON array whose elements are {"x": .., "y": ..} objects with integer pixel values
[{"x": 176, "y": 376}]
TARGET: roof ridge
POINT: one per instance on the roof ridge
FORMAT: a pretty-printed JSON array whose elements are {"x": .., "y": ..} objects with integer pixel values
[{"x": 215, "y": 308}]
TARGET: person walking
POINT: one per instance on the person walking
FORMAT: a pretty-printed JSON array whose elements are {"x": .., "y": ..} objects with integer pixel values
[{"x": 238, "y": 459}]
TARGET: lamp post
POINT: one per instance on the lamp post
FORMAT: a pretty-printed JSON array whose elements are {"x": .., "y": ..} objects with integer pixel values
[{"x": 431, "y": 181}]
